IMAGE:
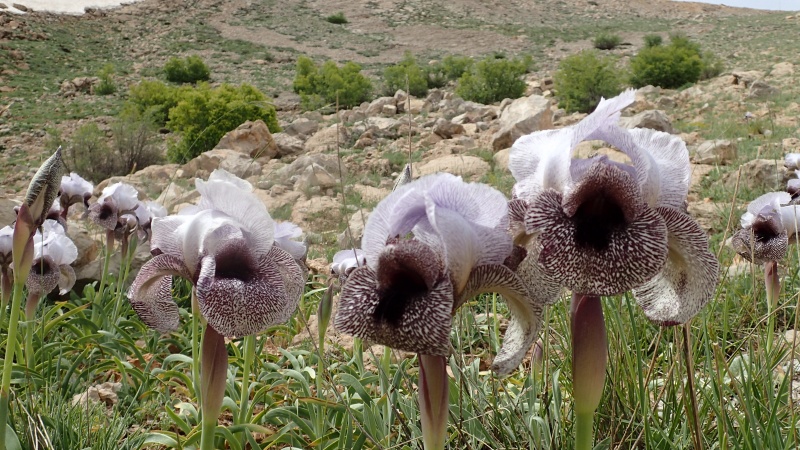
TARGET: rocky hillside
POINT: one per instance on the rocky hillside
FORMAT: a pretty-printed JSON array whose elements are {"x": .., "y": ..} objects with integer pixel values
[{"x": 736, "y": 125}]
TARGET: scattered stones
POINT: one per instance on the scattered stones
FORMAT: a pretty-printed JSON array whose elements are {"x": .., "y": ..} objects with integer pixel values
[
  {"x": 287, "y": 144},
  {"x": 105, "y": 393},
  {"x": 760, "y": 175},
  {"x": 760, "y": 89},
  {"x": 80, "y": 85},
  {"x": 720, "y": 151},
  {"x": 326, "y": 139},
  {"x": 447, "y": 129},
  {"x": 302, "y": 128},
  {"x": 523, "y": 116}
]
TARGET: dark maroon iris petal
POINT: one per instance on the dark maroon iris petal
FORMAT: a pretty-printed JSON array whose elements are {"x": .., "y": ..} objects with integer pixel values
[{"x": 766, "y": 240}]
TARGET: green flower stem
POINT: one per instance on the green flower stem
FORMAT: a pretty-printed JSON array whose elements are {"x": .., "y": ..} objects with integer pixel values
[
  {"x": 8, "y": 359},
  {"x": 584, "y": 430},
  {"x": 98, "y": 296},
  {"x": 773, "y": 287},
  {"x": 249, "y": 350},
  {"x": 196, "y": 346},
  {"x": 126, "y": 256},
  {"x": 589, "y": 359}
]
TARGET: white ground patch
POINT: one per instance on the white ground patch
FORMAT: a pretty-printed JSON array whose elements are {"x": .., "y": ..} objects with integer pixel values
[{"x": 63, "y": 6}]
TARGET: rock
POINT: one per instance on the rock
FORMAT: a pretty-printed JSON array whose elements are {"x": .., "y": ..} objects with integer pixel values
[
  {"x": 447, "y": 129},
  {"x": 501, "y": 159},
  {"x": 22, "y": 8},
  {"x": 83, "y": 85},
  {"x": 589, "y": 149},
  {"x": 233, "y": 161},
  {"x": 699, "y": 173},
  {"x": 328, "y": 162},
  {"x": 708, "y": 215},
  {"x": 760, "y": 175},
  {"x": 389, "y": 110},
  {"x": 746, "y": 78},
  {"x": 325, "y": 139},
  {"x": 523, "y": 116},
  {"x": 7, "y": 214},
  {"x": 400, "y": 100},
  {"x": 316, "y": 209},
  {"x": 469, "y": 167},
  {"x": 301, "y": 128},
  {"x": 782, "y": 69},
  {"x": 376, "y": 107},
  {"x": 287, "y": 144},
  {"x": 719, "y": 151},
  {"x": 106, "y": 393},
  {"x": 760, "y": 89},
  {"x": 383, "y": 127},
  {"x": 251, "y": 138},
  {"x": 88, "y": 248},
  {"x": 653, "y": 119},
  {"x": 371, "y": 194},
  {"x": 314, "y": 175},
  {"x": 356, "y": 227}
]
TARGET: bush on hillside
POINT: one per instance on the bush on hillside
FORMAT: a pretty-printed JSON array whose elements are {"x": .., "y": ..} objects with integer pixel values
[
  {"x": 107, "y": 85},
  {"x": 203, "y": 115},
  {"x": 323, "y": 85},
  {"x": 189, "y": 70},
  {"x": 405, "y": 74},
  {"x": 653, "y": 40},
  {"x": 671, "y": 66},
  {"x": 492, "y": 80},
  {"x": 607, "y": 41},
  {"x": 153, "y": 99},
  {"x": 582, "y": 79},
  {"x": 451, "y": 68},
  {"x": 338, "y": 18}
]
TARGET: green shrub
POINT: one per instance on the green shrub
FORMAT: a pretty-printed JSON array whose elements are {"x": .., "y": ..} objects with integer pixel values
[
  {"x": 671, "y": 66},
  {"x": 203, "y": 115},
  {"x": 607, "y": 41},
  {"x": 492, "y": 80},
  {"x": 582, "y": 79},
  {"x": 652, "y": 40},
  {"x": 107, "y": 85},
  {"x": 318, "y": 86},
  {"x": 712, "y": 66},
  {"x": 338, "y": 18},
  {"x": 154, "y": 99},
  {"x": 451, "y": 68},
  {"x": 189, "y": 70},
  {"x": 88, "y": 154},
  {"x": 404, "y": 74}
]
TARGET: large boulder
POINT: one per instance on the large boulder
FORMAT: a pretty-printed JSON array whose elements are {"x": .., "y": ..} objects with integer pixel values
[
  {"x": 469, "y": 167},
  {"x": 288, "y": 144},
  {"x": 718, "y": 151},
  {"x": 252, "y": 139},
  {"x": 523, "y": 116},
  {"x": 7, "y": 214},
  {"x": 760, "y": 175},
  {"x": 302, "y": 128},
  {"x": 237, "y": 163},
  {"x": 653, "y": 119},
  {"x": 326, "y": 139},
  {"x": 447, "y": 129}
]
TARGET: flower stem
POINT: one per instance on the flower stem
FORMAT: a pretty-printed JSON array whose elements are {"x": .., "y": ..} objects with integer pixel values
[
  {"x": 249, "y": 349},
  {"x": 196, "y": 347},
  {"x": 690, "y": 388},
  {"x": 433, "y": 400},
  {"x": 589, "y": 359},
  {"x": 212, "y": 384},
  {"x": 584, "y": 431},
  {"x": 773, "y": 288},
  {"x": 8, "y": 358}
]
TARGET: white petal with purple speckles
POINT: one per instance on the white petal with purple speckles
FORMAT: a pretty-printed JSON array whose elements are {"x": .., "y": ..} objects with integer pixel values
[{"x": 689, "y": 278}]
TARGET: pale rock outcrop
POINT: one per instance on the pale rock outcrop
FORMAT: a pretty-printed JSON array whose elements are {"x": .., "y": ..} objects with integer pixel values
[
  {"x": 237, "y": 163},
  {"x": 654, "y": 119},
  {"x": 719, "y": 151},
  {"x": 469, "y": 167},
  {"x": 252, "y": 139},
  {"x": 523, "y": 116},
  {"x": 326, "y": 139},
  {"x": 760, "y": 174}
]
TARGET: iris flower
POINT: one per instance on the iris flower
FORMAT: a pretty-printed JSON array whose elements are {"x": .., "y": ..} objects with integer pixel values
[
  {"x": 244, "y": 280},
  {"x": 74, "y": 190},
  {"x": 792, "y": 161},
  {"x": 345, "y": 262},
  {"x": 430, "y": 246},
  {"x": 6, "y": 246},
  {"x": 53, "y": 252},
  {"x": 116, "y": 201},
  {"x": 603, "y": 228},
  {"x": 768, "y": 226},
  {"x": 145, "y": 212}
]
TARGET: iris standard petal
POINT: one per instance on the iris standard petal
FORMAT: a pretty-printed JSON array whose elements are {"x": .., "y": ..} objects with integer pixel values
[
  {"x": 595, "y": 254},
  {"x": 345, "y": 262},
  {"x": 771, "y": 199},
  {"x": 232, "y": 196},
  {"x": 540, "y": 161},
  {"x": 150, "y": 293},
  {"x": 689, "y": 278},
  {"x": 286, "y": 234},
  {"x": 526, "y": 312},
  {"x": 422, "y": 325},
  {"x": 240, "y": 294},
  {"x": 661, "y": 161},
  {"x": 790, "y": 218}
]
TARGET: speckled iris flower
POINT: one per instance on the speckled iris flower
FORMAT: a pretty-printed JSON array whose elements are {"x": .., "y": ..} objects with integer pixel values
[
  {"x": 345, "y": 262},
  {"x": 405, "y": 295},
  {"x": 74, "y": 190},
  {"x": 115, "y": 207},
  {"x": 768, "y": 226},
  {"x": 603, "y": 227},
  {"x": 245, "y": 282},
  {"x": 53, "y": 252}
]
